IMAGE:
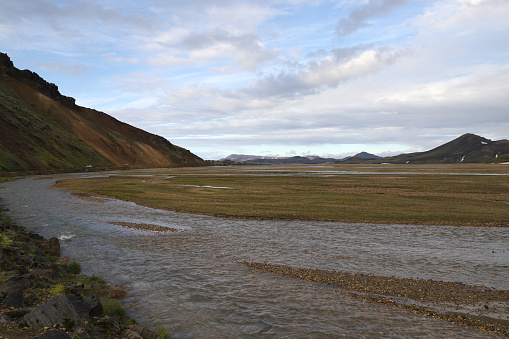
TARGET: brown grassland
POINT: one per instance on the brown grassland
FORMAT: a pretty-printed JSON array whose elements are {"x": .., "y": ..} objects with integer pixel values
[{"x": 390, "y": 194}]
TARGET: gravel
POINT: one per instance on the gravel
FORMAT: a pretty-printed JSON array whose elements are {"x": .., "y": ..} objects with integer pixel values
[{"x": 483, "y": 307}]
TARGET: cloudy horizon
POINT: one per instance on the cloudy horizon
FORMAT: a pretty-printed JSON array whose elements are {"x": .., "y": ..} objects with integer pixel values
[{"x": 276, "y": 77}]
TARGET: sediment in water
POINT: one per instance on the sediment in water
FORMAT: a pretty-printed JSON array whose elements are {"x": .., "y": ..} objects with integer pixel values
[{"x": 485, "y": 308}]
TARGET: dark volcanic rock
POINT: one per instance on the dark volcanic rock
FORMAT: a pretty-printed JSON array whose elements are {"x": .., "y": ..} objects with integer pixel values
[
  {"x": 25, "y": 280},
  {"x": 14, "y": 296},
  {"x": 95, "y": 308},
  {"x": 12, "y": 290},
  {"x": 4, "y": 318},
  {"x": 53, "y": 312},
  {"x": 52, "y": 246},
  {"x": 91, "y": 307}
]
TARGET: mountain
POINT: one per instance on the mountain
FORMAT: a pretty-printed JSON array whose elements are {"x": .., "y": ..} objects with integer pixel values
[
  {"x": 365, "y": 155},
  {"x": 468, "y": 148},
  {"x": 42, "y": 129},
  {"x": 244, "y": 158}
]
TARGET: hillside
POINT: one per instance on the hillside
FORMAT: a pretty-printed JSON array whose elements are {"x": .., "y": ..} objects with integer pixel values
[
  {"x": 468, "y": 148},
  {"x": 42, "y": 129}
]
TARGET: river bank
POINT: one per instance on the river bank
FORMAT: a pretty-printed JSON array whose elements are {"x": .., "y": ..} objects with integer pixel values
[{"x": 33, "y": 278}]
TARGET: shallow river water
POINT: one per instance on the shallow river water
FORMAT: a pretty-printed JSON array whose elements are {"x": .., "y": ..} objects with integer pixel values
[{"x": 192, "y": 283}]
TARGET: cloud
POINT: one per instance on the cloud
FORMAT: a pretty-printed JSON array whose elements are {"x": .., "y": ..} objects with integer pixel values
[
  {"x": 372, "y": 9},
  {"x": 206, "y": 48},
  {"x": 464, "y": 17},
  {"x": 237, "y": 17},
  {"x": 118, "y": 59},
  {"x": 60, "y": 17},
  {"x": 477, "y": 99},
  {"x": 271, "y": 91},
  {"x": 75, "y": 69},
  {"x": 140, "y": 82},
  {"x": 72, "y": 28},
  {"x": 343, "y": 65}
]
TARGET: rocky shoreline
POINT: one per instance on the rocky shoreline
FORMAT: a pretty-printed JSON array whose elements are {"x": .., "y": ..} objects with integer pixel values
[
  {"x": 479, "y": 306},
  {"x": 43, "y": 295}
]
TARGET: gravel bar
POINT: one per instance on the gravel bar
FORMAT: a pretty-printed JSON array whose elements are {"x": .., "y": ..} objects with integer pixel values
[
  {"x": 483, "y": 307},
  {"x": 144, "y": 227}
]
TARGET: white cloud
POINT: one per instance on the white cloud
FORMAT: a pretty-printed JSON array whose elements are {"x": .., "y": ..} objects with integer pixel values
[
  {"x": 330, "y": 71},
  {"x": 486, "y": 86},
  {"x": 239, "y": 17},
  {"x": 356, "y": 19},
  {"x": 464, "y": 17},
  {"x": 208, "y": 48},
  {"x": 75, "y": 69},
  {"x": 140, "y": 82}
]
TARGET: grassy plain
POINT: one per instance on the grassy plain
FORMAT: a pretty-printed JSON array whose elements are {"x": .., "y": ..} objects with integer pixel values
[{"x": 460, "y": 194}]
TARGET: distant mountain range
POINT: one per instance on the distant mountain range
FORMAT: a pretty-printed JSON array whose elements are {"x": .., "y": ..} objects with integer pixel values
[
  {"x": 41, "y": 129},
  {"x": 468, "y": 148},
  {"x": 242, "y": 158}
]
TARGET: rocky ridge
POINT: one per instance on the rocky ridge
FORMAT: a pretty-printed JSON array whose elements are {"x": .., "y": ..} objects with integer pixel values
[{"x": 45, "y": 131}]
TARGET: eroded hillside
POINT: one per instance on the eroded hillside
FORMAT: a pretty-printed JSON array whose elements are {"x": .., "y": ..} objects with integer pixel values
[{"x": 43, "y": 130}]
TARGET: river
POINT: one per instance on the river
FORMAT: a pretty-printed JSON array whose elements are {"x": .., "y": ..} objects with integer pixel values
[{"x": 192, "y": 283}]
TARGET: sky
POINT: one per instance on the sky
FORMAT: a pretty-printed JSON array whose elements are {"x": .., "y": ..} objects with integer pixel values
[{"x": 276, "y": 77}]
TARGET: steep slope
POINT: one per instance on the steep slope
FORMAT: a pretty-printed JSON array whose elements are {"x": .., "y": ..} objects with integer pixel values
[
  {"x": 42, "y": 129},
  {"x": 366, "y": 155},
  {"x": 468, "y": 148}
]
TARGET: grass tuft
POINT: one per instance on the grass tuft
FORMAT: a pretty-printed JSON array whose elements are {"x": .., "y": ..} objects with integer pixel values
[
  {"x": 57, "y": 290},
  {"x": 162, "y": 333},
  {"x": 113, "y": 308},
  {"x": 4, "y": 239},
  {"x": 72, "y": 267}
]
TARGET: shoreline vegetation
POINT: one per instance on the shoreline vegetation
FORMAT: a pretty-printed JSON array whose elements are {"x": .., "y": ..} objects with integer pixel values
[{"x": 37, "y": 286}]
